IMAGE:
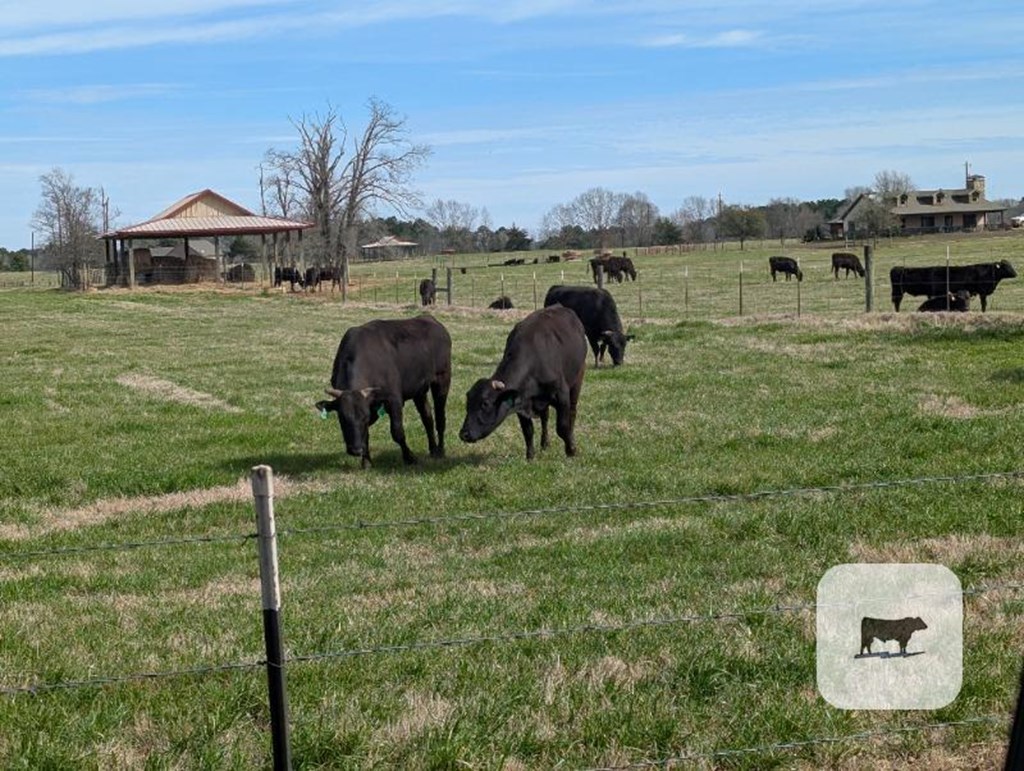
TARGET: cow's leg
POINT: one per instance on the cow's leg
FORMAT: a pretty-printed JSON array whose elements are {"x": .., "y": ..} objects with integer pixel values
[
  {"x": 565, "y": 415},
  {"x": 526, "y": 424},
  {"x": 984, "y": 301},
  {"x": 897, "y": 298},
  {"x": 545, "y": 442},
  {"x": 394, "y": 410},
  {"x": 423, "y": 408},
  {"x": 773, "y": 276},
  {"x": 439, "y": 391}
]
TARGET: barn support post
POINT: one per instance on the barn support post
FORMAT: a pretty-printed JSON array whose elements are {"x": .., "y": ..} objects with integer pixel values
[
  {"x": 449, "y": 282},
  {"x": 131, "y": 264},
  {"x": 266, "y": 268},
  {"x": 869, "y": 276},
  {"x": 221, "y": 269},
  {"x": 270, "y": 586}
]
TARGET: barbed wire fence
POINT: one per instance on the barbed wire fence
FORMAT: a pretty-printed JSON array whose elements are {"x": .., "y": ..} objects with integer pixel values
[{"x": 275, "y": 662}]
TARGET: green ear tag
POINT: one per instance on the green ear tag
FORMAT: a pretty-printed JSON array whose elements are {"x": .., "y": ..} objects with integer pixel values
[
  {"x": 381, "y": 412},
  {"x": 323, "y": 414}
]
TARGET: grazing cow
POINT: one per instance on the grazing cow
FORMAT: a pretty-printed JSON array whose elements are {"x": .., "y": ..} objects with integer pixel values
[
  {"x": 502, "y": 303},
  {"x": 428, "y": 292},
  {"x": 846, "y": 261},
  {"x": 615, "y": 268},
  {"x": 596, "y": 309},
  {"x": 291, "y": 274},
  {"x": 317, "y": 275},
  {"x": 951, "y": 301},
  {"x": 515, "y": 261},
  {"x": 786, "y": 265},
  {"x": 554, "y": 258},
  {"x": 381, "y": 365},
  {"x": 543, "y": 365},
  {"x": 979, "y": 279},
  {"x": 240, "y": 273},
  {"x": 884, "y": 629}
]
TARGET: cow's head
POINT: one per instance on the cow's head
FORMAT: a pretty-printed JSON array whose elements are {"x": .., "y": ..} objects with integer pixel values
[
  {"x": 616, "y": 344},
  {"x": 1005, "y": 270},
  {"x": 917, "y": 623},
  {"x": 488, "y": 403},
  {"x": 354, "y": 417}
]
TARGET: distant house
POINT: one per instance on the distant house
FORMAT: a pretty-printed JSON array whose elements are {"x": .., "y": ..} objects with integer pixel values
[{"x": 927, "y": 211}]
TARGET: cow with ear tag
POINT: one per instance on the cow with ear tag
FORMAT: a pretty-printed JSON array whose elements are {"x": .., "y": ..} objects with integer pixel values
[
  {"x": 381, "y": 365},
  {"x": 542, "y": 367}
]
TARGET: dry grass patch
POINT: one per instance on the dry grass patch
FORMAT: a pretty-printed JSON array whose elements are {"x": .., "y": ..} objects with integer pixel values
[
  {"x": 423, "y": 711},
  {"x": 57, "y": 520},
  {"x": 172, "y": 392},
  {"x": 947, "y": 550}
]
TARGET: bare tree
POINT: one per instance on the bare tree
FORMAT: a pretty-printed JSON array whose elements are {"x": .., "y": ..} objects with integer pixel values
[
  {"x": 636, "y": 218},
  {"x": 596, "y": 210},
  {"x": 694, "y": 218},
  {"x": 340, "y": 181},
  {"x": 379, "y": 171},
  {"x": 69, "y": 218},
  {"x": 454, "y": 220},
  {"x": 889, "y": 183}
]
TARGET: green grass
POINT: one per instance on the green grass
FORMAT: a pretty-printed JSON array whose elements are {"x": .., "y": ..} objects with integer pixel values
[{"x": 768, "y": 402}]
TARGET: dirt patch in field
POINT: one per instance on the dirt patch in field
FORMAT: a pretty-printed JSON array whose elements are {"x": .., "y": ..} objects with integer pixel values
[
  {"x": 56, "y": 520},
  {"x": 954, "y": 407},
  {"x": 172, "y": 392}
]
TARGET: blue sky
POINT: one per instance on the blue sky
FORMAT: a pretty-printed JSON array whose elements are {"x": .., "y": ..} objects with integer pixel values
[{"x": 526, "y": 103}]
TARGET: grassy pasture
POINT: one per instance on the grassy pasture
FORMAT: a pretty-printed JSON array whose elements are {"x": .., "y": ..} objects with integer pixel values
[{"x": 132, "y": 416}]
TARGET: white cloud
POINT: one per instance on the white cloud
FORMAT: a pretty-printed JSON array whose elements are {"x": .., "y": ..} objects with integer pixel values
[
  {"x": 99, "y": 93},
  {"x": 735, "y": 38}
]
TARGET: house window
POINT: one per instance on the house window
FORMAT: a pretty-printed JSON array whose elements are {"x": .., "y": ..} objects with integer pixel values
[{"x": 928, "y": 221}]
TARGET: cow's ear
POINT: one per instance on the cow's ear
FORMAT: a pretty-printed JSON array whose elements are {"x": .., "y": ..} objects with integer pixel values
[
  {"x": 369, "y": 393},
  {"x": 509, "y": 397}
]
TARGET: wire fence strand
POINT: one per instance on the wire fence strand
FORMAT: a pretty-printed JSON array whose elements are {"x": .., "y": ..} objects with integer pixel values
[
  {"x": 661, "y": 502},
  {"x": 125, "y": 546},
  {"x": 94, "y": 682}
]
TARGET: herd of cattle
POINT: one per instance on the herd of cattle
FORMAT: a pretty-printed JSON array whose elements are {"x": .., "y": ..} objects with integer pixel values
[
  {"x": 947, "y": 287},
  {"x": 384, "y": 363}
]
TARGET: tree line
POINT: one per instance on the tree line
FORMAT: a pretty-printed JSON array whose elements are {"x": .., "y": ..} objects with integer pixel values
[{"x": 357, "y": 185}]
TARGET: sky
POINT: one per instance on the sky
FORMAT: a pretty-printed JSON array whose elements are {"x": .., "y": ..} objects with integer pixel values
[{"x": 525, "y": 104}]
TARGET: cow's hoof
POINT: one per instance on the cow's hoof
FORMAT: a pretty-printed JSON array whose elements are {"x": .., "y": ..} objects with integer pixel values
[{"x": 437, "y": 453}]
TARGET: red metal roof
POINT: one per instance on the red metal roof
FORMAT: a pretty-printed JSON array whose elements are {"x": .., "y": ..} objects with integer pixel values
[{"x": 220, "y": 217}]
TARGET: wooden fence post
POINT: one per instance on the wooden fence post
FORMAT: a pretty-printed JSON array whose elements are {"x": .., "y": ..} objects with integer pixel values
[
  {"x": 449, "y": 283},
  {"x": 741, "y": 287},
  {"x": 263, "y": 495}
]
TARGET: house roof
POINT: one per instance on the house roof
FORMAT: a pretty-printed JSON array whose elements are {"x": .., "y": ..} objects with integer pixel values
[{"x": 206, "y": 213}]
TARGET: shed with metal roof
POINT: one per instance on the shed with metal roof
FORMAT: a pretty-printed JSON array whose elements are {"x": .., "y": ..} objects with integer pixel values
[{"x": 205, "y": 214}]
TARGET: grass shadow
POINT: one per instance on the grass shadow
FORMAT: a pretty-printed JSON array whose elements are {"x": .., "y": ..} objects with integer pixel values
[{"x": 1009, "y": 375}]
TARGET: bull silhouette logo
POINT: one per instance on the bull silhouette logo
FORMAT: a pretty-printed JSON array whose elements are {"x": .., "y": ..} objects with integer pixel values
[{"x": 884, "y": 629}]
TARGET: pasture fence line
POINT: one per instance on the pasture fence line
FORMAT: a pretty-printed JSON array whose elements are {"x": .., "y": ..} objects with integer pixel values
[{"x": 275, "y": 662}]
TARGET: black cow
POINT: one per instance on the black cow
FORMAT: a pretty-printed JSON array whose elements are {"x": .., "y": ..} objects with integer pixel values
[
  {"x": 543, "y": 365},
  {"x": 979, "y": 279},
  {"x": 786, "y": 265},
  {"x": 846, "y": 261},
  {"x": 291, "y": 274},
  {"x": 554, "y": 258},
  {"x": 428, "y": 292},
  {"x": 614, "y": 268},
  {"x": 596, "y": 309},
  {"x": 317, "y": 275},
  {"x": 381, "y": 365},
  {"x": 953, "y": 301},
  {"x": 885, "y": 629},
  {"x": 502, "y": 303}
]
